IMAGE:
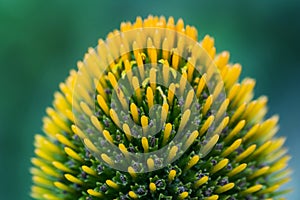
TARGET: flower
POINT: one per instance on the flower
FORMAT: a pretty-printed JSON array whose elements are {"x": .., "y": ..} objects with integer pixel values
[{"x": 237, "y": 157}]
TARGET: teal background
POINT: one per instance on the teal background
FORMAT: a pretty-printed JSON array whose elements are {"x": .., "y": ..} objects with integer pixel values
[{"x": 40, "y": 41}]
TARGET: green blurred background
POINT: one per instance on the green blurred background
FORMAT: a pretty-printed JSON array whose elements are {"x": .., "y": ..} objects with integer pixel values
[{"x": 40, "y": 41}]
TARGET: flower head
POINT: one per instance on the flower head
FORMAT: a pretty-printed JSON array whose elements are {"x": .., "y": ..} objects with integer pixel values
[{"x": 153, "y": 114}]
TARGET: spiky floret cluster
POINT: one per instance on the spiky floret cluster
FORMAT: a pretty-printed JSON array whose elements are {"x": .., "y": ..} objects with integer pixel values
[{"x": 246, "y": 161}]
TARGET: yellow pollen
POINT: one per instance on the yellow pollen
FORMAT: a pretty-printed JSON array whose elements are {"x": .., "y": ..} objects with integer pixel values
[
  {"x": 152, "y": 187},
  {"x": 210, "y": 144},
  {"x": 89, "y": 170},
  {"x": 237, "y": 169},
  {"x": 252, "y": 189},
  {"x": 220, "y": 165},
  {"x": 201, "y": 181},
  {"x": 112, "y": 184},
  {"x": 94, "y": 193},
  {"x": 171, "y": 175},
  {"x": 184, "y": 119},
  {"x": 172, "y": 153},
  {"x": 127, "y": 131},
  {"x": 150, "y": 163},
  {"x": 231, "y": 148},
  {"x": 132, "y": 195},
  {"x": 246, "y": 153},
  {"x": 193, "y": 161},
  {"x": 145, "y": 144},
  {"x": 150, "y": 97},
  {"x": 73, "y": 179},
  {"x": 107, "y": 159},
  {"x": 207, "y": 105},
  {"x": 114, "y": 117},
  {"x": 107, "y": 136},
  {"x": 236, "y": 130},
  {"x": 206, "y": 125},
  {"x": 225, "y": 188},
  {"x": 131, "y": 171}
]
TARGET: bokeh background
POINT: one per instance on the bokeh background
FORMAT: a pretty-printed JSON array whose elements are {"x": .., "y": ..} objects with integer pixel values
[{"x": 40, "y": 41}]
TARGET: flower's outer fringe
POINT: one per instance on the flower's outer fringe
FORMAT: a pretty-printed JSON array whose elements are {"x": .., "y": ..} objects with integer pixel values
[{"x": 244, "y": 161}]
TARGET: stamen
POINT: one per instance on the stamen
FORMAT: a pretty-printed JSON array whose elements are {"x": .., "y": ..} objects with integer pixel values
[
  {"x": 246, "y": 153},
  {"x": 171, "y": 92},
  {"x": 94, "y": 193},
  {"x": 41, "y": 181},
  {"x": 259, "y": 172},
  {"x": 252, "y": 189},
  {"x": 193, "y": 161},
  {"x": 150, "y": 163},
  {"x": 184, "y": 119},
  {"x": 108, "y": 137},
  {"x": 153, "y": 78},
  {"x": 136, "y": 87},
  {"x": 132, "y": 195},
  {"x": 172, "y": 153},
  {"x": 213, "y": 197},
  {"x": 238, "y": 113},
  {"x": 220, "y": 165},
  {"x": 191, "y": 139},
  {"x": 127, "y": 131},
  {"x": 183, "y": 195},
  {"x": 251, "y": 132},
  {"x": 221, "y": 126},
  {"x": 150, "y": 97},
  {"x": 167, "y": 132},
  {"x": 123, "y": 149},
  {"x": 50, "y": 171},
  {"x": 261, "y": 149},
  {"x": 165, "y": 49},
  {"x": 145, "y": 144},
  {"x": 218, "y": 89},
  {"x": 152, "y": 187},
  {"x": 237, "y": 170},
  {"x": 235, "y": 131},
  {"x": 189, "y": 99},
  {"x": 201, "y": 85},
  {"x": 144, "y": 122},
  {"x": 73, "y": 179},
  {"x": 89, "y": 170},
  {"x": 201, "y": 181},
  {"x": 112, "y": 184},
  {"x": 166, "y": 72},
  {"x": 190, "y": 68},
  {"x": 207, "y": 105},
  {"x": 107, "y": 159},
  {"x": 231, "y": 148},
  {"x": 62, "y": 167},
  {"x": 210, "y": 144},
  {"x": 182, "y": 83},
  {"x": 73, "y": 154},
  {"x": 96, "y": 123},
  {"x": 164, "y": 112},
  {"x": 114, "y": 117},
  {"x": 222, "y": 109},
  {"x": 225, "y": 188},
  {"x": 131, "y": 171},
  {"x": 269, "y": 189},
  {"x": 134, "y": 112},
  {"x": 171, "y": 175},
  {"x": 62, "y": 139},
  {"x": 90, "y": 145},
  {"x": 206, "y": 125},
  {"x": 63, "y": 187},
  {"x": 175, "y": 59}
]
